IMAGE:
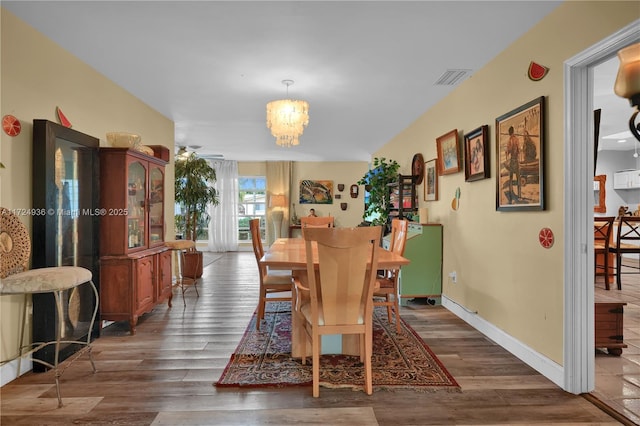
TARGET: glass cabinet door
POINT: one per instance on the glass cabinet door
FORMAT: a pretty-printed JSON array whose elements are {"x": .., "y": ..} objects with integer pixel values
[
  {"x": 136, "y": 196},
  {"x": 156, "y": 205}
]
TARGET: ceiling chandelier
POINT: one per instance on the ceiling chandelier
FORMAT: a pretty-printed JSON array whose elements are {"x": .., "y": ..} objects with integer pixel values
[{"x": 287, "y": 118}]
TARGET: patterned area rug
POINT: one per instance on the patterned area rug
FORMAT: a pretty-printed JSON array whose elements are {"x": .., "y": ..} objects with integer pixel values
[{"x": 262, "y": 359}]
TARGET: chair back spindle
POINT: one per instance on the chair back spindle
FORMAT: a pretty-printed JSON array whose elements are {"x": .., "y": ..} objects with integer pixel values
[{"x": 626, "y": 243}]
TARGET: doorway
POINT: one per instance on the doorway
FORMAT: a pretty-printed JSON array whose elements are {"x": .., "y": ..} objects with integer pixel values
[{"x": 579, "y": 359}]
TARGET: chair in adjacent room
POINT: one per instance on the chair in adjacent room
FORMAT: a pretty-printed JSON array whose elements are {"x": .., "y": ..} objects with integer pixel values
[
  {"x": 388, "y": 293},
  {"x": 626, "y": 243},
  {"x": 602, "y": 234},
  {"x": 16, "y": 279},
  {"x": 339, "y": 296},
  {"x": 275, "y": 286},
  {"x": 317, "y": 222}
]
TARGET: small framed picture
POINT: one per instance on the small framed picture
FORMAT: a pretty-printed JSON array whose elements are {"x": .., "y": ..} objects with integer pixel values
[
  {"x": 448, "y": 153},
  {"x": 431, "y": 180},
  {"x": 476, "y": 154},
  {"x": 520, "y": 182}
]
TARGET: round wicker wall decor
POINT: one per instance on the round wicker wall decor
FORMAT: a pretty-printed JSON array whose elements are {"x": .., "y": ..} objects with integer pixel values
[{"x": 15, "y": 245}]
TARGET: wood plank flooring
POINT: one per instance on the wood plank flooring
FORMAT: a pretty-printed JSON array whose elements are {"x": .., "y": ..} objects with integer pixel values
[{"x": 165, "y": 374}]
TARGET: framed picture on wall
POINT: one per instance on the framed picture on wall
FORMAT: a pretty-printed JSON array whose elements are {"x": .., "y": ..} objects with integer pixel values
[
  {"x": 431, "y": 180},
  {"x": 476, "y": 154},
  {"x": 448, "y": 153},
  {"x": 316, "y": 191},
  {"x": 520, "y": 158}
]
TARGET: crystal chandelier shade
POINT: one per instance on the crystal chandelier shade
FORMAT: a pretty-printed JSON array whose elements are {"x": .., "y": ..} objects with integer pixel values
[{"x": 287, "y": 119}]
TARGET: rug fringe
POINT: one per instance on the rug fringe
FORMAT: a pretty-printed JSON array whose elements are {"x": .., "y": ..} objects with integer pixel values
[{"x": 392, "y": 388}]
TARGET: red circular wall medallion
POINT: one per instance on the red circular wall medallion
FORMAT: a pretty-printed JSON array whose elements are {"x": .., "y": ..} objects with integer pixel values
[
  {"x": 11, "y": 125},
  {"x": 546, "y": 237}
]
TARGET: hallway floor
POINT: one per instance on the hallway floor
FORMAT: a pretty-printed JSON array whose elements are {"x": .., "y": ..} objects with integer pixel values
[
  {"x": 164, "y": 374},
  {"x": 618, "y": 378}
]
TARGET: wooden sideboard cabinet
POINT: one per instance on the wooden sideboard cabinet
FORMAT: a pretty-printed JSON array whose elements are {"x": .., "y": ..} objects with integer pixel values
[
  {"x": 135, "y": 264},
  {"x": 609, "y": 326}
]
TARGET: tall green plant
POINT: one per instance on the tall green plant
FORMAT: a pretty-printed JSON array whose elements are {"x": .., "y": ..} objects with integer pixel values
[
  {"x": 375, "y": 182},
  {"x": 194, "y": 179}
]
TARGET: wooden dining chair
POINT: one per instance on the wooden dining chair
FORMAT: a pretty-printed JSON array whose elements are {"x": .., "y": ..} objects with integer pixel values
[
  {"x": 317, "y": 222},
  {"x": 274, "y": 286},
  {"x": 602, "y": 234},
  {"x": 339, "y": 299},
  {"x": 626, "y": 242},
  {"x": 388, "y": 293}
]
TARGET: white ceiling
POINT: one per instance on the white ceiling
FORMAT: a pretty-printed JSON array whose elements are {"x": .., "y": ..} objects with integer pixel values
[
  {"x": 367, "y": 69},
  {"x": 616, "y": 111}
]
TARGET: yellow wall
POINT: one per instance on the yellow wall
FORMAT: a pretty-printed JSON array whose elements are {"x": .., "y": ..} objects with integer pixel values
[
  {"x": 37, "y": 75},
  {"x": 502, "y": 271},
  {"x": 347, "y": 173}
]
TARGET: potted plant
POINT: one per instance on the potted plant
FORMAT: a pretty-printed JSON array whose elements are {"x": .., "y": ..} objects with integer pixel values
[
  {"x": 375, "y": 182},
  {"x": 194, "y": 192}
]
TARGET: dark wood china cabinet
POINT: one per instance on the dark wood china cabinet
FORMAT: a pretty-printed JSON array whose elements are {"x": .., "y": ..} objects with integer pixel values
[{"x": 65, "y": 228}]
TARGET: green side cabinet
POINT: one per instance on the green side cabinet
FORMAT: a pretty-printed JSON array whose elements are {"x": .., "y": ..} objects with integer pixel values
[{"x": 423, "y": 276}]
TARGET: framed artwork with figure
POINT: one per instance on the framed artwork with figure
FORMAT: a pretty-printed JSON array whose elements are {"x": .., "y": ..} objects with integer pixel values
[
  {"x": 520, "y": 182},
  {"x": 476, "y": 154}
]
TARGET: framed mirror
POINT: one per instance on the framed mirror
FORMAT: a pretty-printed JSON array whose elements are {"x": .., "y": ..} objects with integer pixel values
[{"x": 599, "y": 194}]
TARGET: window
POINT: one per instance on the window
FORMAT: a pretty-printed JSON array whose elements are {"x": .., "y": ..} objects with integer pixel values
[{"x": 251, "y": 205}]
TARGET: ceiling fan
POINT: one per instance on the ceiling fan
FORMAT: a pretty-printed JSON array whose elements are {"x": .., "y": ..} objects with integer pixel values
[{"x": 182, "y": 151}]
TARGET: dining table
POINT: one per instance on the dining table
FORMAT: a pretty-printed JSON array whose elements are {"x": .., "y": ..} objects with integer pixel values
[{"x": 290, "y": 254}]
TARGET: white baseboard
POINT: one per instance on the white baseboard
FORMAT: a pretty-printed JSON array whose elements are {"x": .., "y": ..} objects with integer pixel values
[
  {"x": 543, "y": 365},
  {"x": 9, "y": 371}
]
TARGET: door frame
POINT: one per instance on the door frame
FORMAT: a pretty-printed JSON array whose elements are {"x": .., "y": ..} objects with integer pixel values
[{"x": 579, "y": 359}]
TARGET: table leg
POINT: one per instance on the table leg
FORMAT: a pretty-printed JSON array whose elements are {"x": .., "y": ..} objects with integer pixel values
[
  {"x": 36, "y": 346},
  {"x": 24, "y": 323},
  {"x": 58, "y": 297},
  {"x": 93, "y": 320},
  {"x": 298, "y": 347}
]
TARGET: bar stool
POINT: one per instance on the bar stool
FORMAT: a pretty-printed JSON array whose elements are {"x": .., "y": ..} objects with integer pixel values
[
  {"x": 15, "y": 248},
  {"x": 179, "y": 247}
]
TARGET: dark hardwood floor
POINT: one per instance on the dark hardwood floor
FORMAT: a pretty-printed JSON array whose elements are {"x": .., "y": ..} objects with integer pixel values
[{"x": 165, "y": 374}]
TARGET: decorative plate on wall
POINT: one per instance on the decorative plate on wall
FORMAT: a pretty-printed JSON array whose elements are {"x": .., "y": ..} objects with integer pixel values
[
  {"x": 11, "y": 125},
  {"x": 546, "y": 238},
  {"x": 15, "y": 245},
  {"x": 417, "y": 168}
]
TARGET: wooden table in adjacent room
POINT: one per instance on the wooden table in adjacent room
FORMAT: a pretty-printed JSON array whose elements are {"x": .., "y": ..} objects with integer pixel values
[
  {"x": 293, "y": 228},
  {"x": 290, "y": 254}
]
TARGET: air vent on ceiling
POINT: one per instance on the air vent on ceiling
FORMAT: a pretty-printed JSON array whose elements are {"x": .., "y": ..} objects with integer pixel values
[
  {"x": 452, "y": 77},
  {"x": 212, "y": 156}
]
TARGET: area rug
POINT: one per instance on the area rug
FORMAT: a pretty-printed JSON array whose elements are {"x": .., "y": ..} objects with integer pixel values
[{"x": 400, "y": 361}]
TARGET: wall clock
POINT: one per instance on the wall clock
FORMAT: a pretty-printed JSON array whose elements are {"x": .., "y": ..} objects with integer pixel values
[{"x": 417, "y": 168}]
